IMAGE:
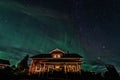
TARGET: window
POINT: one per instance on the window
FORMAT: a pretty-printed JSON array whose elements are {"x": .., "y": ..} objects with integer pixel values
[
  {"x": 38, "y": 67},
  {"x": 57, "y": 67},
  {"x": 56, "y": 56}
]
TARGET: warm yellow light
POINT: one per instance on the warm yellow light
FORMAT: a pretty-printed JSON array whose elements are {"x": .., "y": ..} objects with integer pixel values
[
  {"x": 55, "y": 56},
  {"x": 58, "y": 56},
  {"x": 57, "y": 67}
]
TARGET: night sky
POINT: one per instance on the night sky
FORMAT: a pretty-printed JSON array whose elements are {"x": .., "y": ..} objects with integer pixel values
[{"x": 90, "y": 28}]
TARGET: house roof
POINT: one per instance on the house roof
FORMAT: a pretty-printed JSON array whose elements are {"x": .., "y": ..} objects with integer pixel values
[
  {"x": 61, "y": 60},
  {"x": 4, "y": 62},
  {"x": 56, "y": 51},
  {"x": 70, "y": 55}
]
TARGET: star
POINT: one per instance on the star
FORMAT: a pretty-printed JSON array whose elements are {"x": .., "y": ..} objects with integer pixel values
[
  {"x": 103, "y": 46},
  {"x": 99, "y": 58}
]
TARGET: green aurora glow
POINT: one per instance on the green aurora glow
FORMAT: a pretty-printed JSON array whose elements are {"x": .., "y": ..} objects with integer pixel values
[
  {"x": 27, "y": 29},
  {"x": 36, "y": 32}
]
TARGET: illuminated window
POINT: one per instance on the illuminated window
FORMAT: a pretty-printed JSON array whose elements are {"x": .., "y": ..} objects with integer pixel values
[
  {"x": 38, "y": 67},
  {"x": 71, "y": 68},
  {"x": 56, "y": 56},
  {"x": 57, "y": 67}
]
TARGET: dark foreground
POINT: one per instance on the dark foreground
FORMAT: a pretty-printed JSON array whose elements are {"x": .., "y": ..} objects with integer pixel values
[
  {"x": 10, "y": 74},
  {"x": 5, "y": 75}
]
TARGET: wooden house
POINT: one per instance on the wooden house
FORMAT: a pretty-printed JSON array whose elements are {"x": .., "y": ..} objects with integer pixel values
[{"x": 56, "y": 60}]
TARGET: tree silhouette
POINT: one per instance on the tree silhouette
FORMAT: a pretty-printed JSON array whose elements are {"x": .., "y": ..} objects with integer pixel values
[{"x": 23, "y": 64}]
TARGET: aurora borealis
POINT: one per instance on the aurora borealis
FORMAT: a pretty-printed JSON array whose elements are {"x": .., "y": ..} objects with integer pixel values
[{"x": 86, "y": 27}]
